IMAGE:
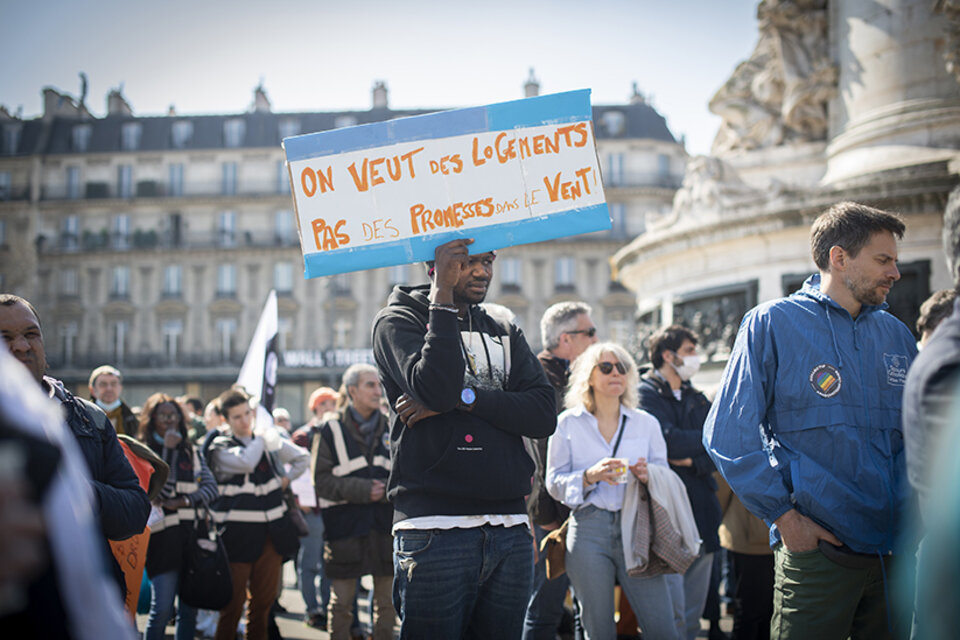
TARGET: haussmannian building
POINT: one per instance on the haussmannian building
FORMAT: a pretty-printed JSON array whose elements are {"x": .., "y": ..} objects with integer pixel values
[{"x": 151, "y": 242}]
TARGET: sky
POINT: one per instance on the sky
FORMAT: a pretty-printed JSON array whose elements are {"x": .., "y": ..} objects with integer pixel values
[{"x": 207, "y": 57}]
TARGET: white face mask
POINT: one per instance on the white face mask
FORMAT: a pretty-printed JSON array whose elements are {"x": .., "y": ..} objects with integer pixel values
[
  {"x": 689, "y": 368},
  {"x": 109, "y": 407}
]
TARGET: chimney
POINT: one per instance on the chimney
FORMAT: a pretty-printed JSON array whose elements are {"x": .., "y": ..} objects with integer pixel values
[
  {"x": 117, "y": 105},
  {"x": 261, "y": 103},
  {"x": 171, "y": 111},
  {"x": 60, "y": 105},
  {"x": 531, "y": 88},
  {"x": 380, "y": 95},
  {"x": 637, "y": 97}
]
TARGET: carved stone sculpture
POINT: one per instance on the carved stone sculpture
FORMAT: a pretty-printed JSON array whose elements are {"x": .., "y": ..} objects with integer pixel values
[{"x": 779, "y": 95}]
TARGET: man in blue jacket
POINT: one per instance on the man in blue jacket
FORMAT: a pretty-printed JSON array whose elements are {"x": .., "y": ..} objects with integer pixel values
[{"x": 806, "y": 429}]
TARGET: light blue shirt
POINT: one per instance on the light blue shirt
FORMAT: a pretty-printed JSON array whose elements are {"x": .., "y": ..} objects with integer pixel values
[{"x": 577, "y": 445}]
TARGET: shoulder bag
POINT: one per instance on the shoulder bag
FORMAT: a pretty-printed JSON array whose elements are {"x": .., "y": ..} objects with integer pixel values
[
  {"x": 205, "y": 580},
  {"x": 554, "y": 544}
]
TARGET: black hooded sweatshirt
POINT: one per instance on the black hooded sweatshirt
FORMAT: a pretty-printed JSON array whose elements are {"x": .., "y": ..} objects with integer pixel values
[{"x": 459, "y": 462}]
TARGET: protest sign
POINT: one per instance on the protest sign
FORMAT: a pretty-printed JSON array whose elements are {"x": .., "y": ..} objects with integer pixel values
[{"x": 389, "y": 193}]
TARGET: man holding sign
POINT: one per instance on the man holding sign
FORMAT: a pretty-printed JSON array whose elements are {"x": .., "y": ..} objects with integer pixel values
[{"x": 466, "y": 388}]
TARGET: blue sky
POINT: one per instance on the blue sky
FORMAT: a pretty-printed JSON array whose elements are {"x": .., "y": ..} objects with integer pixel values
[{"x": 206, "y": 57}]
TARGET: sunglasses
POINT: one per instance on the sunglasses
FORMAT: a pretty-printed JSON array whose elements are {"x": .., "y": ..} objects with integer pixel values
[
  {"x": 607, "y": 367},
  {"x": 592, "y": 331}
]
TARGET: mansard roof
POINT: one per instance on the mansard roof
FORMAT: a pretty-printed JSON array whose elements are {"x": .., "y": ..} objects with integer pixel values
[{"x": 262, "y": 129}]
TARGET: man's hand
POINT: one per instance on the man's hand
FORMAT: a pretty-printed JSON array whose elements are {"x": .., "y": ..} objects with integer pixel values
[
  {"x": 411, "y": 412},
  {"x": 450, "y": 260},
  {"x": 377, "y": 491},
  {"x": 800, "y": 533},
  {"x": 172, "y": 504}
]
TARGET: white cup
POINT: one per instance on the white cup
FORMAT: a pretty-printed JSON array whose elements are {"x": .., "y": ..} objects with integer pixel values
[{"x": 621, "y": 470}]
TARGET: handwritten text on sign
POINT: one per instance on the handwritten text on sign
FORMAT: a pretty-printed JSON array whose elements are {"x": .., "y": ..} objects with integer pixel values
[{"x": 424, "y": 187}]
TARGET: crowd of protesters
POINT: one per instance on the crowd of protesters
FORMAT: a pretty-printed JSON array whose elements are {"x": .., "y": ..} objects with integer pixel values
[{"x": 447, "y": 473}]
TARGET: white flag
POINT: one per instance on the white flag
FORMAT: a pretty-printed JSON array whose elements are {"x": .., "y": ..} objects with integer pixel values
[{"x": 258, "y": 374}]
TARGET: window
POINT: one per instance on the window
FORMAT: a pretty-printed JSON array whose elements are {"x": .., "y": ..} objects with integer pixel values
[
  {"x": 171, "y": 332},
  {"x": 614, "y": 122},
  {"x": 175, "y": 182},
  {"x": 511, "y": 273},
  {"x": 119, "y": 333},
  {"x": 226, "y": 336},
  {"x": 130, "y": 136},
  {"x": 620, "y": 326},
  {"x": 226, "y": 280},
  {"x": 563, "y": 273},
  {"x": 172, "y": 281},
  {"x": 344, "y": 121},
  {"x": 68, "y": 341},
  {"x": 342, "y": 329},
  {"x": 663, "y": 165},
  {"x": 283, "y": 277},
  {"x": 68, "y": 282},
  {"x": 233, "y": 131},
  {"x": 73, "y": 183},
  {"x": 614, "y": 171},
  {"x": 175, "y": 229},
  {"x": 228, "y": 183},
  {"x": 70, "y": 233},
  {"x": 11, "y": 138},
  {"x": 289, "y": 128},
  {"x": 81, "y": 137},
  {"x": 227, "y": 229},
  {"x": 120, "y": 282},
  {"x": 6, "y": 185},
  {"x": 283, "y": 178},
  {"x": 283, "y": 227},
  {"x": 121, "y": 232},
  {"x": 3, "y": 235},
  {"x": 618, "y": 221},
  {"x": 341, "y": 284},
  {"x": 285, "y": 333},
  {"x": 125, "y": 181},
  {"x": 398, "y": 274},
  {"x": 182, "y": 132}
]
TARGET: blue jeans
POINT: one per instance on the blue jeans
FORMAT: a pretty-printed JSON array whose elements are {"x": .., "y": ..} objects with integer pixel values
[
  {"x": 545, "y": 608},
  {"x": 595, "y": 562},
  {"x": 161, "y": 609},
  {"x": 690, "y": 593},
  {"x": 462, "y": 583},
  {"x": 310, "y": 566}
]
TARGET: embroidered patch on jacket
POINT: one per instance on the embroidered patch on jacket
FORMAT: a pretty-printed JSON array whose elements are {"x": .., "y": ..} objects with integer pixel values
[
  {"x": 825, "y": 380},
  {"x": 896, "y": 365}
]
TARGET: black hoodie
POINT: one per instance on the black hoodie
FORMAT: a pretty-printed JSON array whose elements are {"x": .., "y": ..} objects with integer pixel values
[{"x": 459, "y": 462}]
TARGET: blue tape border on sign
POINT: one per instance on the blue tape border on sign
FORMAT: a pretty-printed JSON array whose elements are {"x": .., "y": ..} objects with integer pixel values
[
  {"x": 421, "y": 248},
  {"x": 556, "y": 108}
]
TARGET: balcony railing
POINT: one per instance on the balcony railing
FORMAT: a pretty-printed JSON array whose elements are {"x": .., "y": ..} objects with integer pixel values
[
  {"x": 157, "y": 189},
  {"x": 155, "y": 360},
  {"x": 635, "y": 179},
  {"x": 141, "y": 240}
]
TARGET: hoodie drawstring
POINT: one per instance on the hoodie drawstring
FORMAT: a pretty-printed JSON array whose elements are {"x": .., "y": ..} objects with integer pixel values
[{"x": 833, "y": 335}]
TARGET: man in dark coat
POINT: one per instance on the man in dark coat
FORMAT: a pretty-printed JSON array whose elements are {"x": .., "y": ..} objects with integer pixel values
[
  {"x": 666, "y": 392},
  {"x": 123, "y": 505}
]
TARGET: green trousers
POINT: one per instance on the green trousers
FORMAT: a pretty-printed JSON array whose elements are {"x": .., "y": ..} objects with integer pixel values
[{"x": 816, "y": 599}]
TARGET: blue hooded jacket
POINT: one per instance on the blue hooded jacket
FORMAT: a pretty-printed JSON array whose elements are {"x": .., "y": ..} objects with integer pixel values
[{"x": 808, "y": 417}]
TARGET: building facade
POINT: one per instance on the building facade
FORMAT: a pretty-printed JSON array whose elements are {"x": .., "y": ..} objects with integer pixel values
[{"x": 151, "y": 243}]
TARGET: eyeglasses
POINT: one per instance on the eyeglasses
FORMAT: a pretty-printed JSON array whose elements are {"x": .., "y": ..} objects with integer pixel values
[
  {"x": 607, "y": 367},
  {"x": 592, "y": 331}
]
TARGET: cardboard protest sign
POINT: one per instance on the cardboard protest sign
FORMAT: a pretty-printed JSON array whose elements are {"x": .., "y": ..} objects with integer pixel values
[{"x": 389, "y": 193}]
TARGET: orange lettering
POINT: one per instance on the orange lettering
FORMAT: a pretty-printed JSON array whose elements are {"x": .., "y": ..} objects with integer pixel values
[
  {"x": 553, "y": 188},
  {"x": 394, "y": 170},
  {"x": 318, "y": 226},
  {"x": 362, "y": 184},
  {"x": 342, "y": 237},
  {"x": 375, "y": 178},
  {"x": 408, "y": 156},
  {"x": 555, "y": 144},
  {"x": 326, "y": 180},
  {"x": 477, "y": 160},
  {"x": 581, "y": 128},
  {"x": 305, "y": 175}
]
